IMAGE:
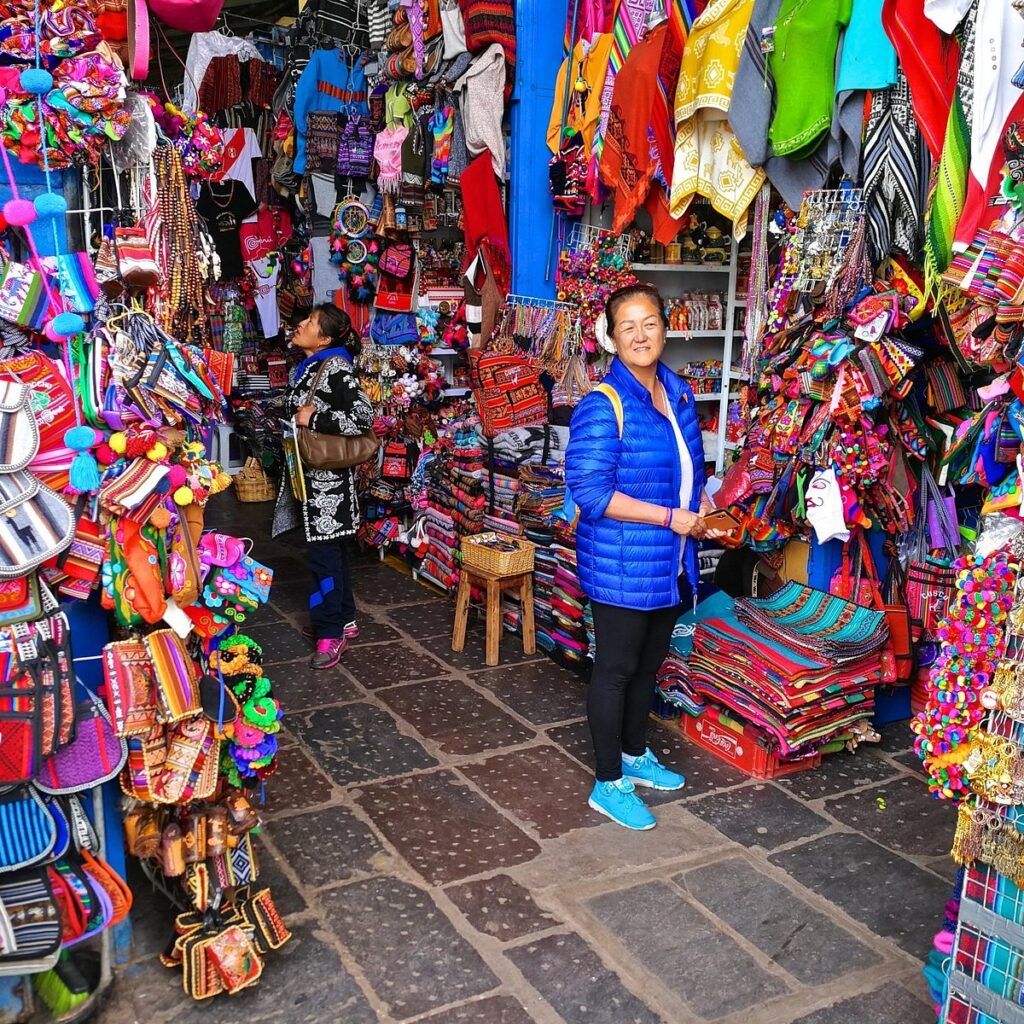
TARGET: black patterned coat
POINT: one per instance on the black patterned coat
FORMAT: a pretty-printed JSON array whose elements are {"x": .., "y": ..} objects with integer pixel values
[{"x": 332, "y": 508}]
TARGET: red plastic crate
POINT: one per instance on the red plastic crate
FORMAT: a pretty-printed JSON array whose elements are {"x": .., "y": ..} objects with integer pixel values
[{"x": 727, "y": 740}]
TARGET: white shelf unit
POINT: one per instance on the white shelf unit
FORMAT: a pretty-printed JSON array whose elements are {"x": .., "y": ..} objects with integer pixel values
[{"x": 672, "y": 279}]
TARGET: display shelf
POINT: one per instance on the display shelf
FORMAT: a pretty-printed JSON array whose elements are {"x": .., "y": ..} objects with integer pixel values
[
  {"x": 443, "y": 352},
  {"x": 711, "y": 396},
  {"x": 450, "y": 392},
  {"x": 682, "y": 268}
]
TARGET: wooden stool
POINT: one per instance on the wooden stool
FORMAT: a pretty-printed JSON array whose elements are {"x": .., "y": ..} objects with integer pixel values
[{"x": 494, "y": 584}]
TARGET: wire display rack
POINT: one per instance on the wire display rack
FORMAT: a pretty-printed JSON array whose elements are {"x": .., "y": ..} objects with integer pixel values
[
  {"x": 826, "y": 225},
  {"x": 586, "y": 236},
  {"x": 986, "y": 978}
]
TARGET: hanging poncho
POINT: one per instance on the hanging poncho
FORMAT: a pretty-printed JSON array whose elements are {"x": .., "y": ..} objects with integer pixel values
[{"x": 709, "y": 161}]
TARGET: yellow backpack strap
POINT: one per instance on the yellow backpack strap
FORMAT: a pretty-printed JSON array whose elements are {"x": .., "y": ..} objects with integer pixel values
[{"x": 613, "y": 396}]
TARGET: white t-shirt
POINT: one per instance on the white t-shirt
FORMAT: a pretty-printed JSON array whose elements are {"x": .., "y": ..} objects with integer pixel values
[
  {"x": 240, "y": 149},
  {"x": 267, "y": 273},
  {"x": 686, "y": 476}
]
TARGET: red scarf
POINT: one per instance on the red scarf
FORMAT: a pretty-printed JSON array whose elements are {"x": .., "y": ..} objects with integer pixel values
[
  {"x": 483, "y": 221},
  {"x": 930, "y": 60}
]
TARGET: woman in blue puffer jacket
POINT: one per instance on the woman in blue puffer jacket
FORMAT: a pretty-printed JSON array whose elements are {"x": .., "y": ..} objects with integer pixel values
[{"x": 635, "y": 468}]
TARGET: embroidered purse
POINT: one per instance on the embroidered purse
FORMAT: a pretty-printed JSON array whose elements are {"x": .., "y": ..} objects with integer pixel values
[
  {"x": 177, "y": 683},
  {"x": 130, "y": 687}
]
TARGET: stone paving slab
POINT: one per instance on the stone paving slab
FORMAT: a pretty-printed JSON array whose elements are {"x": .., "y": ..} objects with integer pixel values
[
  {"x": 427, "y": 841},
  {"x": 706, "y": 968}
]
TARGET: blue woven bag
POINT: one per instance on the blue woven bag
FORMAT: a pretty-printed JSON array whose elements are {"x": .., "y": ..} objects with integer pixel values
[{"x": 28, "y": 833}]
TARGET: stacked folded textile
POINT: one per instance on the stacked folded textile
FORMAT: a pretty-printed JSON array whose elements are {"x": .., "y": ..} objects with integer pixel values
[
  {"x": 765, "y": 661},
  {"x": 541, "y": 496},
  {"x": 524, "y": 445},
  {"x": 674, "y": 685},
  {"x": 815, "y": 623},
  {"x": 500, "y": 493},
  {"x": 440, "y": 564},
  {"x": 572, "y": 625}
]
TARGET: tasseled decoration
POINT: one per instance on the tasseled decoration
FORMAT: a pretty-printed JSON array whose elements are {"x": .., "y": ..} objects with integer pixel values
[{"x": 85, "y": 473}]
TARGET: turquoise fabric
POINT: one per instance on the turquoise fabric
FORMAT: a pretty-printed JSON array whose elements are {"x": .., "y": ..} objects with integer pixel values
[{"x": 869, "y": 60}]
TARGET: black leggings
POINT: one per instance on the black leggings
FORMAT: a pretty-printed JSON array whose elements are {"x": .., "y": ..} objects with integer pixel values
[
  {"x": 631, "y": 645},
  {"x": 332, "y": 605}
]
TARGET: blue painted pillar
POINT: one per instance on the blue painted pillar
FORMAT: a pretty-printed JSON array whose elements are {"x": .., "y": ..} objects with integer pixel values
[{"x": 540, "y": 27}]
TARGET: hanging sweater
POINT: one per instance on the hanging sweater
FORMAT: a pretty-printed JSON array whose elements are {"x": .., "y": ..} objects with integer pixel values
[
  {"x": 803, "y": 64},
  {"x": 326, "y": 84},
  {"x": 480, "y": 91}
]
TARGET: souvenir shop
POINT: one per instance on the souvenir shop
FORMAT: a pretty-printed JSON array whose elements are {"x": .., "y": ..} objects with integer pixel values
[{"x": 844, "y": 279}]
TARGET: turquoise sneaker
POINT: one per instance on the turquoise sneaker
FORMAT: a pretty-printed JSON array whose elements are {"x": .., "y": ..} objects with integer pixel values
[
  {"x": 618, "y": 801},
  {"x": 649, "y": 772}
]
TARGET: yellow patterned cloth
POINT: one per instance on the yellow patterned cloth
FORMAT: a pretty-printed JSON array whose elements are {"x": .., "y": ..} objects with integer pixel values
[{"x": 709, "y": 161}]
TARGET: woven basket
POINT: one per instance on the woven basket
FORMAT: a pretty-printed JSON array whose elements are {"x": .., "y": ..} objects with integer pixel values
[
  {"x": 253, "y": 484},
  {"x": 501, "y": 563}
]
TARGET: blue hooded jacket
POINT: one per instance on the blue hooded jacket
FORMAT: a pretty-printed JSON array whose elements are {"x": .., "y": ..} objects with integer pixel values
[{"x": 632, "y": 565}]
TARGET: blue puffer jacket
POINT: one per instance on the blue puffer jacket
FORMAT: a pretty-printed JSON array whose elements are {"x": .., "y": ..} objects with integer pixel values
[{"x": 632, "y": 565}]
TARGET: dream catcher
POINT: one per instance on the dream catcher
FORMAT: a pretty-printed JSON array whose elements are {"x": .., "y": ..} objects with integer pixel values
[{"x": 355, "y": 250}]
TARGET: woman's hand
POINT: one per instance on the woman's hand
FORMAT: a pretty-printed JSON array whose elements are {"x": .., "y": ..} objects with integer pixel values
[
  {"x": 687, "y": 524},
  {"x": 303, "y": 415}
]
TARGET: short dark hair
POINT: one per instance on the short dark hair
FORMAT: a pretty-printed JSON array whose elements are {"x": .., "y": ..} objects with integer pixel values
[
  {"x": 633, "y": 291},
  {"x": 335, "y": 325}
]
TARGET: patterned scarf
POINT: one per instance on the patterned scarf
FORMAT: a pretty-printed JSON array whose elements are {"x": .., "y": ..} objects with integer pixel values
[
  {"x": 896, "y": 170},
  {"x": 949, "y": 191}
]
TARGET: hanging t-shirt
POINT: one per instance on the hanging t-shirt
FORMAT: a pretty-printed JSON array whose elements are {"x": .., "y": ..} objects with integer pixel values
[
  {"x": 240, "y": 149},
  {"x": 269, "y": 231},
  {"x": 266, "y": 272},
  {"x": 224, "y": 205}
]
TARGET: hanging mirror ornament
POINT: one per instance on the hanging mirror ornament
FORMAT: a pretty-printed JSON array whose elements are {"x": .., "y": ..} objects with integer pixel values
[{"x": 352, "y": 218}]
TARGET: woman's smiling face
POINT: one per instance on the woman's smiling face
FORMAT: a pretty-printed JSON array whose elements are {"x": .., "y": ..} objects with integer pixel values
[{"x": 639, "y": 332}]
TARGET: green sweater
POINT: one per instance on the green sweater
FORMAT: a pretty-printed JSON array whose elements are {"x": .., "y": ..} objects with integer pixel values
[{"x": 803, "y": 63}]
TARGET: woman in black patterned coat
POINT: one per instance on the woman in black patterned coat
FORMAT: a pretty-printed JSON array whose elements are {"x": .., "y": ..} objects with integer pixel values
[{"x": 330, "y": 515}]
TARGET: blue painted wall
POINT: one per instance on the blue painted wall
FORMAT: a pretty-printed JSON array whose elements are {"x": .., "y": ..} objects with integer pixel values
[{"x": 540, "y": 26}]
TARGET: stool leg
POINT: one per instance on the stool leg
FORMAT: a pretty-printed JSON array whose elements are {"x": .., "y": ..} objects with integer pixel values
[
  {"x": 529, "y": 630},
  {"x": 461, "y": 613},
  {"x": 493, "y": 621}
]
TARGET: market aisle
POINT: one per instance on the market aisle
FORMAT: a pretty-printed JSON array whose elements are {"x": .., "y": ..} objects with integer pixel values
[{"x": 428, "y": 840}]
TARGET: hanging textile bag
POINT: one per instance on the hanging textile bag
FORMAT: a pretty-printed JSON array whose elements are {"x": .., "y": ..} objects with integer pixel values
[
  {"x": 931, "y": 581},
  {"x": 355, "y": 148},
  {"x": 35, "y": 524},
  {"x": 136, "y": 254},
  {"x": 96, "y": 755},
  {"x": 30, "y": 925},
  {"x": 23, "y": 298},
  {"x": 508, "y": 392},
  {"x": 28, "y": 831}
]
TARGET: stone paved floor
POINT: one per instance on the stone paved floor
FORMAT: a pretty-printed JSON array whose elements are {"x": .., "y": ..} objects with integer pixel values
[{"x": 428, "y": 841}]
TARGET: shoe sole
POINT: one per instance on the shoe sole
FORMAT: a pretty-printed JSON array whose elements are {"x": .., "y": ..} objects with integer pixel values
[
  {"x": 647, "y": 784},
  {"x": 633, "y": 828}
]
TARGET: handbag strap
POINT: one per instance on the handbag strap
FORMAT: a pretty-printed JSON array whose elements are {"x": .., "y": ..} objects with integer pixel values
[
  {"x": 316, "y": 381},
  {"x": 870, "y": 573}
]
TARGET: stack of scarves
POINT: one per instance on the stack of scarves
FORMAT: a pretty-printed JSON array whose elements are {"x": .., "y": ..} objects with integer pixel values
[
  {"x": 500, "y": 493},
  {"x": 541, "y": 497},
  {"x": 439, "y": 563},
  {"x": 571, "y": 621},
  {"x": 778, "y": 679}
]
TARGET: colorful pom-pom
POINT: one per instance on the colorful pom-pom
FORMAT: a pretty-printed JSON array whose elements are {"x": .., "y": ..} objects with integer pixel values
[
  {"x": 183, "y": 496},
  {"x": 36, "y": 81}
]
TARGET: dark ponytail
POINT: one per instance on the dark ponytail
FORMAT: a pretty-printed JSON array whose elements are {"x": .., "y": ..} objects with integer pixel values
[{"x": 335, "y": 325}]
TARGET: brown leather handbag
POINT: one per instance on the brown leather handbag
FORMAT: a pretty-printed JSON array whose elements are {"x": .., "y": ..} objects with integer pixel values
[{"x": 333, "y": 451}]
